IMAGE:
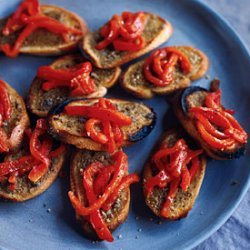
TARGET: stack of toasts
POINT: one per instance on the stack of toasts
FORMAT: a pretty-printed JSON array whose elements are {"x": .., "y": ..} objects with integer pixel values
[{"x": 74, "y": 119}]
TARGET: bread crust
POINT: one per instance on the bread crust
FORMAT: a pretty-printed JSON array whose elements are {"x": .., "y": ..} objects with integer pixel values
[
  {"x": 61, "y": 48},
  {"x": 37, "y": 97},
  {"x": 184, "y": 201},
  {"x": 75, "y": 185},
  {"x": 161, "y": 37},
  {"x": 133, "y": 80}
]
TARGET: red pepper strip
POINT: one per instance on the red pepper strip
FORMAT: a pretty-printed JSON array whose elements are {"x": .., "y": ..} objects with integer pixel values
[
  {"x": 213, "y": 141},
  {"x": 4, "y": 143},
  {"x": 12, "y": 166},
  {"x": 185, "y": 178},
  {"x": 102, "y": 179},
  {"x": 126, "y": 181},
  {"x": 54, "y": 84},
  {"x": 238, "y": 133},
  {"x": 160, "y": 180},
  {"x": 120, "y": 168},
  {"x": 1, "y": 114},
  {"x": 178, "y": 161},
  {"x": 194, "y": 169},
  {"x": 123, "y": 45},
  {"x": 5, "y": 101},
  {"x": 14, "y": 23},
  {"x": 99, "y": 113},
  {"x": 60, "y": 150},
  {"x": 110, "y": 135},
  {"x": 118, "y": 134},
  {"x": 96, "y": 219},
  {"x": 93, "y": 133},
  {"x": 45, "y": 22},
  {"x": 171, "y": 194}
]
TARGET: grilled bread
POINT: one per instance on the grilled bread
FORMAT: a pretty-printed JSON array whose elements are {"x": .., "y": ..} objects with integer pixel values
[
  {"x": 40, "y": 102},
  {"x": 183, "y": 201},
  {"x": 134, "y": 81},
  {"x": 195, "y": 97},
  {"x": 42, "y": 42},
  {"x": 156, "y": 32},
  {"x": 118, "y": 212},
  {"x": 69, "y": 129},
  {"x": 19, "y": 120}
]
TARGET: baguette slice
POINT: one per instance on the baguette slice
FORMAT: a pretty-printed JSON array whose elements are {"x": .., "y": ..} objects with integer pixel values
[
  {"x": 184, "y": 201},
  {"x": 119, "y": 211},
  {"x": 44, "y": 43},
  {"x": 19, "y": 120},
  {"x": 157, "y": 31},
  {"x": 195, "y": 97},
  {"x": 133, "y": 79},
  {"x": 40, "y": 102},
  {"x": 69, "y": 129},
  {"x": 25, "y": 189}
]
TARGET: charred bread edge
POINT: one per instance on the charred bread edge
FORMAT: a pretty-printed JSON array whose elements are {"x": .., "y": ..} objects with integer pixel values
[
  {"x": 139, "y": 135},
  {"x": 182, "y": 109}
]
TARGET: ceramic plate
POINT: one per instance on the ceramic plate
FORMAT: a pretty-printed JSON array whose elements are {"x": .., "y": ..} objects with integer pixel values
[{"x": 29, "y": 225}]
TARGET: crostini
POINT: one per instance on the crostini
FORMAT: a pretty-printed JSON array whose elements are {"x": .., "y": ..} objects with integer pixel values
[
  {"x": 209, "y": 123},
  {"x": 173, "y": 176},
  {"x": 40, "y": 30},
  {"x": 31, "y": 170},
  {"x": 100, "y": 124},
  {"x": 126, "y": 37},
  {"x": 100, "y": 191},
  {"x": 13, "y": 118},
  {"x": 68, "y": 76},
  {"x": 165, "y": 71}
]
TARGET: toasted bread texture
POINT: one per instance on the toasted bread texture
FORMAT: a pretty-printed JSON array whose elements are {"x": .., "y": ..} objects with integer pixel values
[
  {"x": 134, "y": 81},
  {"x": 42, "y": 42},
  {"x": 156, "y": 32},
  {"x": 25, "y": 189},
  {"x": 195, "y": 97},
  {"x": 118, "y": 212},
  {"x": 40, "y": 102},
  {"x": 19, "y": 120},
  {"x": 69, "y": 129},
  {"x": 184, "y": 201}
]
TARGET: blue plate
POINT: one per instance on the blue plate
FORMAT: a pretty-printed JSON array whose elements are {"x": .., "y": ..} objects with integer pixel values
[{"x": 29, "y": 225}]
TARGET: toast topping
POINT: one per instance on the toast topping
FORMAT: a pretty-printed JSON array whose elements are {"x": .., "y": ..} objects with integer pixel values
[
  {"x": 77, "y": 78},
  {"x": 104, "y": 122},
  {"x": 29, "y": 18},
  {"x": 102, "y": 185},
  {"x": 5, "y": 113},
  {"x": 37, "y": 161},
  {"x": 124, "y": 32},
  {"x": 159, "y": 67},
  {"x": 176, "y": 167},
  {"x": 216, "y": 125}
]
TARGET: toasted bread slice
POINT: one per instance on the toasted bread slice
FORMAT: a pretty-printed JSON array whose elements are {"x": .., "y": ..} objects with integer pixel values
[
  {"x": 184, "y": 201},
  {"x": 134, "y": 81},
  {"x": 40, "y": 102},
  {"x": 42, "y": 42},
  {"x": 157, "y": 31},
  {"x": 118, "y": 212},
  {"x": 25, "y": 189},
  {"x": 195, "y": 97},
  {"x": 69, "y": 129},
  {"x": 19, "y": 120}
]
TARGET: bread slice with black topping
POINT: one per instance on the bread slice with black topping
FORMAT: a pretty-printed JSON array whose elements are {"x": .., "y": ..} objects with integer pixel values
[
  {"x": 183, "y": 201},
  {"x": 43, "y": 42},
  {"x": 157, "y": 31},
  {"x": 195, "y": 97},
  {"x": 69, "y": 129},
  {"x": 134, "y": 81},
  {"x": 19, "y": 120},
  {"x": 40, "y": 101},
  {"x": 118, "y": 213}
]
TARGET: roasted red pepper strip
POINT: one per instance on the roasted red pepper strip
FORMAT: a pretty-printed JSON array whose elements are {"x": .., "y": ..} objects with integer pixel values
[
  {"x": 102, "y": 114},
  {"x": 120, "y": 167},
  {"x": 124, "y": 32},
  {"x": 93, "y": 133},
  {"x": 159, "y": 67},
  {"x": 5, "y": 101}
]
